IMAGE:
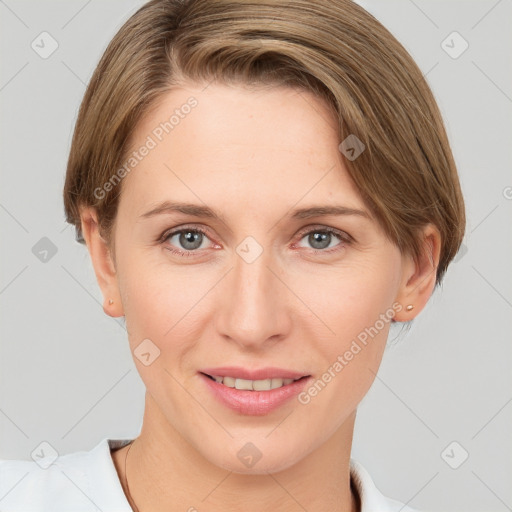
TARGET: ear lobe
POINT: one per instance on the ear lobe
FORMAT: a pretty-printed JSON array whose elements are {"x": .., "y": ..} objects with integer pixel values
[
  {"x": 102, "y": 262},
  {"x": 419, "y": 277}
]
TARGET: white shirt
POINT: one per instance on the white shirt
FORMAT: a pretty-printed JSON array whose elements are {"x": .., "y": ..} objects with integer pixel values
[{"x": 87, "y": 481}]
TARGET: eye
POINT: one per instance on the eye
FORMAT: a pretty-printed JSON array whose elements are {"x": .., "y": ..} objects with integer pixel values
[
  {"x": 188, "y": 241},
  {"x": 322, "y": 238},
  {"x": 184, "y": 241}
]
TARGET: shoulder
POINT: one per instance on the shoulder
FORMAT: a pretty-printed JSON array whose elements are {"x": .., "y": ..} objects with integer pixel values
[
  {"x": 372, "y": 500},
  {"x": 85, "y": 481}
]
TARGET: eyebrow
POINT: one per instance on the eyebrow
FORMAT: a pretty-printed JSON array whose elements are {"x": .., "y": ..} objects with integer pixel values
[{"x": 196, "y": 210}]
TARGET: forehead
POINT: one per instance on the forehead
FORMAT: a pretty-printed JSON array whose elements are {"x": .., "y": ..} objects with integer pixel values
[{"x": 259, "y": 145}]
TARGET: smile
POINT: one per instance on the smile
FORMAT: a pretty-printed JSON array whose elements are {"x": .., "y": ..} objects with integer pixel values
[{"x": 252, "y": 385}]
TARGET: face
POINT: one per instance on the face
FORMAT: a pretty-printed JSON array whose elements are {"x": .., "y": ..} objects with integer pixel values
[{"x": 255, "y": 281}]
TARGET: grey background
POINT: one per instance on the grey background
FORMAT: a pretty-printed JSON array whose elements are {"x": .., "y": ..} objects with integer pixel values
[{"x": 66, "y": 373}]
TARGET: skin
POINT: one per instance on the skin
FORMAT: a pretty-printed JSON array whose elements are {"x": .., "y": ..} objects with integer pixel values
[{"x": 252, "y": 156}]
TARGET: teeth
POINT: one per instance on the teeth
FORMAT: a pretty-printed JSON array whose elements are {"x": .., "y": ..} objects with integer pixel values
[
  {"x": 229, "y": 382},
  {"x": 262, "y": 385},
  {"x": 243, "y": 384},
  {"x": 252, "y": 385},
  {"x": 276, "y": 383}
]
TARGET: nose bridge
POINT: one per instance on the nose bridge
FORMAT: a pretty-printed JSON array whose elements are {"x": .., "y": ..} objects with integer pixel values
[{"x": 255, "y": 308}]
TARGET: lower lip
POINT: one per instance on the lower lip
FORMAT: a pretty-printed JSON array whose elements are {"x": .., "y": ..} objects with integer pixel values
[{"x": 254, "y": 403}]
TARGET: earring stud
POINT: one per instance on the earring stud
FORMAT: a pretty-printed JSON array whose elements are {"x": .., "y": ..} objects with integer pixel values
[
  {"x": 409, "y": 307},
  {"x": 110, "y": 301}
]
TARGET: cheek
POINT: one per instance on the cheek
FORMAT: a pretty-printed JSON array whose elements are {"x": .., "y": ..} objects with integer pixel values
[
  {"x": 355, "y": 306},
  {"x": 161, "y": 302},
  {"x": 347, "y": 300}
]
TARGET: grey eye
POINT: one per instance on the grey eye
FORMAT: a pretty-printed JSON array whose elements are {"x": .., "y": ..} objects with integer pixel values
[
  {"x": 188, "y": 239},
  {"x": 319, "y": 239}
]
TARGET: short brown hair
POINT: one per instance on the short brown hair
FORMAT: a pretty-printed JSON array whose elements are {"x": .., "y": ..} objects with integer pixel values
[{"x": 333, "y": 48}]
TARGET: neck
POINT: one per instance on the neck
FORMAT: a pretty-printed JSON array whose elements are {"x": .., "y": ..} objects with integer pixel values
[{"x": 166, "y": 473}]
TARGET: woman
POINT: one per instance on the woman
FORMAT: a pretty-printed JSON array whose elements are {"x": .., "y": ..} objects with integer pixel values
[{"x": 263, "y": 188}]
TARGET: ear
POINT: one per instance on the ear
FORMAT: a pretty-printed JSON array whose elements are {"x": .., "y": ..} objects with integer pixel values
[
  {"x": 103, "y": 263},
  {"x": 419, "y": 277}
]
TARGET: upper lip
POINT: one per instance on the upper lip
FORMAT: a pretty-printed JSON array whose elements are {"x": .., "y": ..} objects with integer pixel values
[{"x": 254, "y": 374}]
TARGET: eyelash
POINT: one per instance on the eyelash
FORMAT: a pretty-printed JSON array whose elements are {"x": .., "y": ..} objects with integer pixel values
[{"x": 345, "y": 239}]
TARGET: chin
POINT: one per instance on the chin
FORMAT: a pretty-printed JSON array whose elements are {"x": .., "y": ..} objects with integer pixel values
[
  {"x": 273, "y": 465},
  {"x": 258, "y": 458}
]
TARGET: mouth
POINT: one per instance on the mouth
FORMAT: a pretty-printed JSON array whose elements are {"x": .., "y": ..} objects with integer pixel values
[
  {"x": 252, "y": 385},
  {"x": 253, "y": 392}
]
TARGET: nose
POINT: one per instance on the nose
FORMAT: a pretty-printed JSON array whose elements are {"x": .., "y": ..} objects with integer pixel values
[{"x": 254, "y": 308}]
